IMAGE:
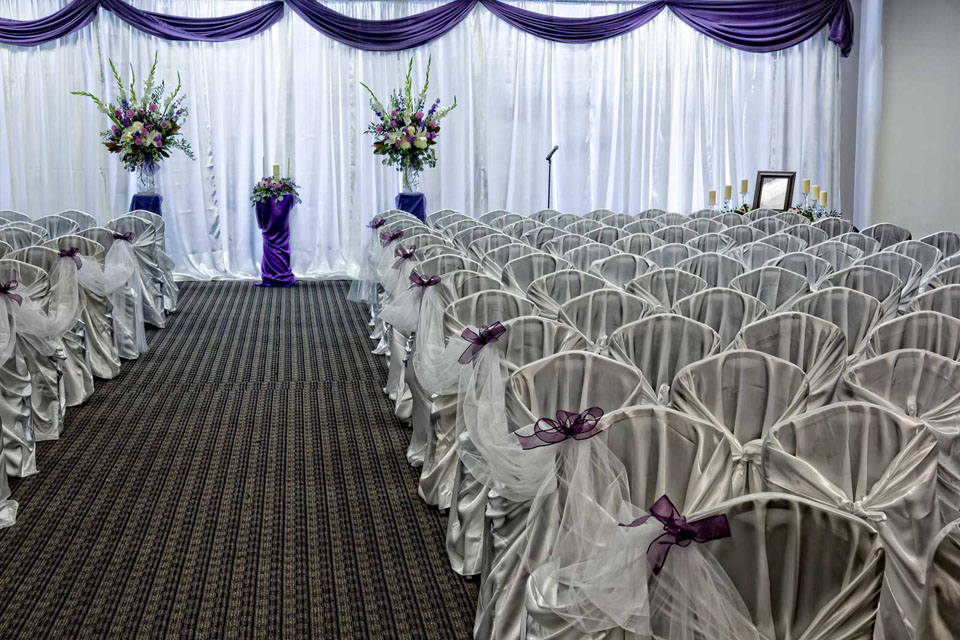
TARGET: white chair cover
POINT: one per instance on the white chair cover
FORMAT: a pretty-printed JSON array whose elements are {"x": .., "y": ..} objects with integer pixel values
[
  {"x": 168, "y": 286},
  {"x": 621, "y": 268},
  {"x": 492, "y": 215},
  {"x": 946, "y": 277},
  {"x": 703, "y": 226},
  {"x": 19, "y": 238},
  {"x": 433, "y": 218},
  {"x": 882, "y": 285},
  {"x": 726, "y": 311},
  {"x": 776, "y": 288},
  {"x": 918, "y": 385},
  {"x": 742, "y": 234},
  {"x": 57, "y": 226},
  {"x": 927, "y": 330},
  {"x": 805, "y": 231},
  {"x": 519, "y": 228},
  {"x": 151, "y": 283},
  {"x": 768, "y": 226},
  {"x": 927, "y": 255},
  {"x": 561, "y": 244},
  {"x": 14, "y": 216},
  {"x": 712, "y": 243},
  {"x": 649, "y": 214},
  {"x": 5, "y": 249},
  {"x": 948, "y": 242},
  {"x": 496, "y": 259},
  {"x": 520, "y": 272},
  {"x": 465, "y": 238},
  {"x": 643, "y": 225},
  {"x": 581, "y": 226},
  {"x": 668, "y": 256},
  {"x": 877, "y": 465},
  {"x": 600, "y": 214},
  {"x": 675, "y": 234},
  {"x": 569, "y": 381},
  {"x": 745, "y": 393},
  {"x": 669, "y": 219},
  {"x": 867, "y": 244},
  {"x": 840, "y": 255},
  {"x": 479, "y": 247},
  {"x": 944, "y": 300},
  {"x": 541, "y": 235},
  {"x": 816, "y": 346},
  {"x": 833, "y": 226},
  {"x": 618, "y": 220},
  {"x": 857, "y": 314},
  {"x": 28, "y": 226},
  {"x": 505, "y": 220},
  {"x": 563, "y": 220},
  {"x": 666, "y": 286},
  {"x": 637, "y": 243},
  {"x": 584, "y": 256},
  {"x": 785, "y": 242},
  {"x": 598, "y": 313},
  {"x": 809, "y": 266},
  {"x": 552, "y": 290},
  {"x": 716, "y": 270},
  {"x": 886, "y": 234},
  {"x": 940, "y": 609},
  {"x": 606, "y": 235},
  {"x": 703, "y": 213},
  {"x": 791, "y": 218},
  {"x": 660, "y": 346},
  {"x": 754, "y": 255},
  {"x": 731, "y": 219}
]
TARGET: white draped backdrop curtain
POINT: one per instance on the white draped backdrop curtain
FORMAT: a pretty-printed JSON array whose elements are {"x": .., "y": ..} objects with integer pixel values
[{"x": 654, "y": 118}]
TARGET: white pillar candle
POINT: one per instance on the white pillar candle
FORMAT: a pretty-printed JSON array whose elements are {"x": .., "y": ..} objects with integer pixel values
[
  {"x": 713, "y": 197},
  {"x": 816, "y": 191},
  {"x": 823, "y": 198},
  {"x": 728, "y": 192},
  {"x": 743, "y": 185},
  {"x": 276, "y": 172},
  {"x": 806, "y": 186},
  {"x": 263, "y": 161}
]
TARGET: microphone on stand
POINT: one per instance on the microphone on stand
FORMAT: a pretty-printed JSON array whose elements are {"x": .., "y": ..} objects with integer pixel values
[{"x": 550, "y": 174}]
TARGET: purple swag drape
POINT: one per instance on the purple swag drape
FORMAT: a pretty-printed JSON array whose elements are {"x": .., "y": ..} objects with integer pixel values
[{"x": 750, "y": 25}]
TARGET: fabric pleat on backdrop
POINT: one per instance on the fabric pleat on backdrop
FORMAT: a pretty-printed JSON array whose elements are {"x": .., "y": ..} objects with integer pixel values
[{"x": 655, "y": 117}]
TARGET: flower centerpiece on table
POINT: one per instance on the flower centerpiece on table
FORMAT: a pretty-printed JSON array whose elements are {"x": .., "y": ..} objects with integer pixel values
[
  {"x": 274, "y": 188},
  {"x": 144, "y": 127},
  {"x": 405, "y": 132},
  {"x": 812, "y": 211}
]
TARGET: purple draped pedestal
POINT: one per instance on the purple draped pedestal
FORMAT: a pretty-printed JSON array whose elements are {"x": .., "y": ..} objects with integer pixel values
[
  {"x": 147, "y": 202},
  {"x": 273, "y": 220},
  {"x": 415, "y": 203}
]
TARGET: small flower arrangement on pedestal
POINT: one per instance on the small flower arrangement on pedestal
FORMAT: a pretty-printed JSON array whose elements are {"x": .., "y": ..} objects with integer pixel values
[
  {"x": 144, "y": 128},
  {"x": 742, "y": 209},
  {"x": 406, "y": 131},
  {"x": 813, "y": 211},
  {"x": 274, "y": 188}
]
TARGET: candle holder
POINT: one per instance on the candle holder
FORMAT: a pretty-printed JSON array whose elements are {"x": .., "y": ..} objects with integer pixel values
[
  {"x": 727, "y": 204},
  {"x": 743, "y": 199}
]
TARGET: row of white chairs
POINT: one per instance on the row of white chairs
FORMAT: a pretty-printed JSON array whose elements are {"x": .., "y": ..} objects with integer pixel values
[
  {"x": 128, "y": 282},
  {"x": 771, "y": 367}
]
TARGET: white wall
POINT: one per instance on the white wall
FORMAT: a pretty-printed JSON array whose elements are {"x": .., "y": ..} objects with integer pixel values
[{"x": 918, "y": 163}]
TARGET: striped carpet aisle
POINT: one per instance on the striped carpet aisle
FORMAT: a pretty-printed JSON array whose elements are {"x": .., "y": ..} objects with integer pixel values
[{"x": 244, "y": 479}]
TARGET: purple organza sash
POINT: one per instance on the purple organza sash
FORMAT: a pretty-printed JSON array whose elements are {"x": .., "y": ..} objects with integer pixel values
[
  {"x": 677, "y": 531},
  {"x": 387, "y": 238},
  {"x": 487, "y": 335},
  {"x": 128, "y": 236},
  {"x": 578, "y": 426},
  {"x": 6, "y": 289},
  {"x": 420, "y": 281},
  {"x": 404, "y": 254},
  {"x": 72, "y": 254}
]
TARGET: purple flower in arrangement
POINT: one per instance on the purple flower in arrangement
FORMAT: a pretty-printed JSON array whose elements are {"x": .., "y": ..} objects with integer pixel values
[
  {"x": 393, "y": 124},
  {"x": 433, "y": 123},
  {"x": 379, "y": 128},
  {"x": 419, "y": 115},
  {"x": 129, "y": 113},
  {"x": 152, "y": 107},
  {"x": 138, "y": 141},
  {"x": 158, "y": 140},
  {"x": 164, "y": 125},
  {"x": 126, "y": 122},
  {"x": 431, "y": 135},
  {"x": 118, "y": 113},
  {"x": 115, "y": 129},
  {"x": 143, "y": 131},
  {"x": 393, "y": 113}
]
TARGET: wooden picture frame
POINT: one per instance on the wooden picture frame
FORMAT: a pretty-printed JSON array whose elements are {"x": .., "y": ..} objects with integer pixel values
[{"x": 774, "y": 190}]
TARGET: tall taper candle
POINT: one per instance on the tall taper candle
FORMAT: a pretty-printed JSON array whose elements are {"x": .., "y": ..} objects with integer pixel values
[
  {"x": 263, "y": 160},
  {"x": 728, "y": 192},
  {"x": 743, "y": 185},
  {"x": 823, "y": 198},
  {"x": 806, "y": 186},
  {"x": 816, "y": 191},
  {"x": 288, "y": 166},
  {"x": 713, "y": 197}
]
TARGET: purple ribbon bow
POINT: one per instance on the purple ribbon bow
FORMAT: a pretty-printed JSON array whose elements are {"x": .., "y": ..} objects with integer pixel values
[
  {"x": 487, "y": 335},
  {"x": 578, "y": 426},
  {"x": 128, "y": 236},
  {"x": 72, "y": 254},
  {"x": 376, "y": 223},
  {"x": 419, "y": 281},
  {"x": 7, "y": 287},
  {"x": 404, "y": 254},
  {"x": 390, "y": 237},
  {"x": 677, "y": 531}
]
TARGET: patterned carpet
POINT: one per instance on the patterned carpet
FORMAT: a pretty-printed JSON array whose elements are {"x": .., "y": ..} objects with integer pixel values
[{"x": 244, "y": 479}]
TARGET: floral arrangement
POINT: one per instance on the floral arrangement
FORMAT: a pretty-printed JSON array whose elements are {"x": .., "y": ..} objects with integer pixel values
[
  {"x": 404, "y": 133},
  {"x": 742, "y": 209},
  {"x": 270, "y": 187},
  {"x": 813, "y": 211},
  {"x": 146, "y": 127}
]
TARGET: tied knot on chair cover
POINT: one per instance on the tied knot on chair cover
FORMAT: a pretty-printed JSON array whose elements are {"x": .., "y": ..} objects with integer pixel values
[
  {"x": 420, "y": 281},
  {"x": 677, "y": 531},
  {"x": 387, "y": 238},
  {"x": 6, "y": 289},
  {"x": 568, "y": 424},
  {"x": 128, "y": 236},
  {"x": 478, "y": 340},
  {"x": 403, "y": 254},
  {"x": 857, "y": 508},
  {"x": 376, "y": 223},
  {"x": 749, "y": 453},
  {"x": 72, "y": 253}
]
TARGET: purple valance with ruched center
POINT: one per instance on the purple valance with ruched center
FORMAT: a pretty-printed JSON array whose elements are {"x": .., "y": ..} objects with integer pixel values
[{"x": 750, "y": 25}]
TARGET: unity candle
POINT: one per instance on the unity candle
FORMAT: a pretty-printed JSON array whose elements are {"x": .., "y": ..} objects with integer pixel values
[
  {"x": 713, "y": 197},
  {"x": 276, "y": 172},
  {"x": 728, "y": 192},
  {"x": 816, "y": 191},
  {"x": 823, "y": 198},
  {"x": 743, "y": 185},
  {"x": 263, "y": 161},
  {"x": 806, "y": 186}
]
